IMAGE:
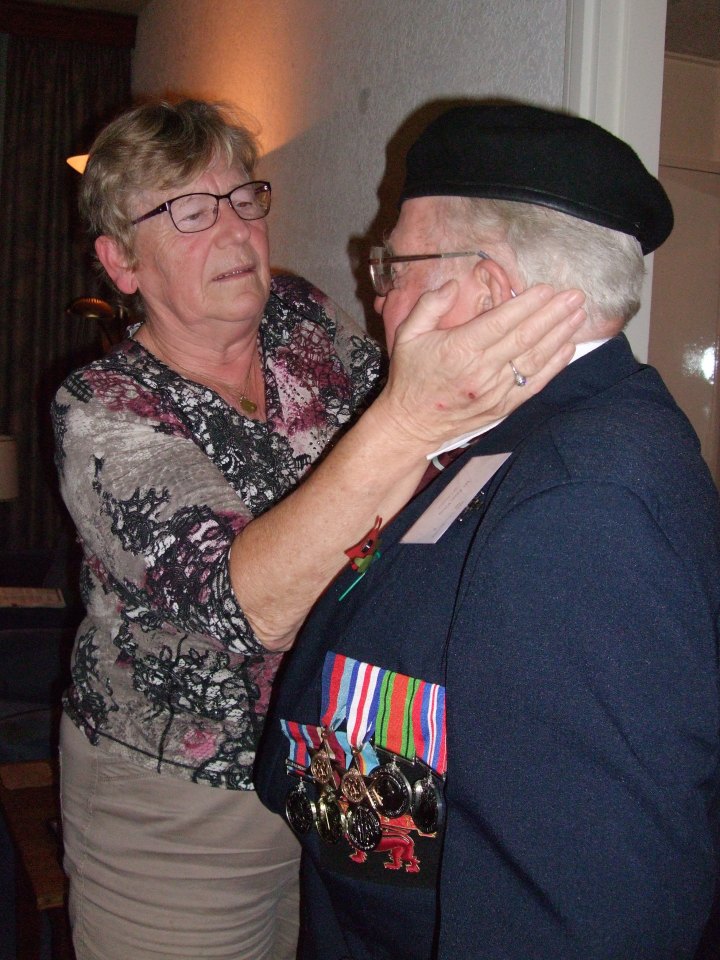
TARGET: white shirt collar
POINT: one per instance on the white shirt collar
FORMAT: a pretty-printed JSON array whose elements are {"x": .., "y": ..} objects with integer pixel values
[{"x": 581, "y": 350}]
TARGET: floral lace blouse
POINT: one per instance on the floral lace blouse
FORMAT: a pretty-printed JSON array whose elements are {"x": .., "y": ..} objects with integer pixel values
[{"x": 159, "y": 475}]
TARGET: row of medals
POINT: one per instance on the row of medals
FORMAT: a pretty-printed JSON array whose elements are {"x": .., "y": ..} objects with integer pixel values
[{"x": 385, "y": 792}]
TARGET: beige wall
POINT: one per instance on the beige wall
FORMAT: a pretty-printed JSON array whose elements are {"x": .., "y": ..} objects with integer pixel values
[{"x": 331, "y": 81}]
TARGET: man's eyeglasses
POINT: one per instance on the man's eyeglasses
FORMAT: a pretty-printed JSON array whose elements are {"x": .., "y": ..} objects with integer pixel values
[
  {"x": 381, "y": 265},
  {"x": 193, "y": 212}
]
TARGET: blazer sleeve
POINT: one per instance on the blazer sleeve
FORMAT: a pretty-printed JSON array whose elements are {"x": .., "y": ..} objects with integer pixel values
[{"x": 582, "y": 736}]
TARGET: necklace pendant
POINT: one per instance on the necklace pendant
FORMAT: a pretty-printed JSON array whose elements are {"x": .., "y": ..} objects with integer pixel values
[{"x": 247, "y": 405}]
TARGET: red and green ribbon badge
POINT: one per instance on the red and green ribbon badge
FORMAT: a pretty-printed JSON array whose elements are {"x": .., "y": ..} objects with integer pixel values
[
  {"x": 411, "y": 720},
  {"x": 363, "y": 553}
]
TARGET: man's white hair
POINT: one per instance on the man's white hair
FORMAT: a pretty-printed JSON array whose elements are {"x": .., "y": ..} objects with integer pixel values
[{"x": 555, "y": 248}]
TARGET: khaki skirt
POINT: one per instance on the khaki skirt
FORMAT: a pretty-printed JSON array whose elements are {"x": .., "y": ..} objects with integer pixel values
[{"x": 162, "y": 869}]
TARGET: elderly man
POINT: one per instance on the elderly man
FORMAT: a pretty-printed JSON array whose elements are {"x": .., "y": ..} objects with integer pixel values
[{"x": 498, "y": 735}]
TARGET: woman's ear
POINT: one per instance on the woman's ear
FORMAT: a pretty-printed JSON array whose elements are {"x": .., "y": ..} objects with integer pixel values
[
  {"x": 493, "y": 277},
  {"x": 114, "y": 260}
]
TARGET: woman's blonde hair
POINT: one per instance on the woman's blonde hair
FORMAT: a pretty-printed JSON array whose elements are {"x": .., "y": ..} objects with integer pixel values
[{"x": 156, "y": 146}]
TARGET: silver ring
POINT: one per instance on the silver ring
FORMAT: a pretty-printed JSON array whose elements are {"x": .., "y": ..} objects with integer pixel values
[{"x": 520, "y": 380}]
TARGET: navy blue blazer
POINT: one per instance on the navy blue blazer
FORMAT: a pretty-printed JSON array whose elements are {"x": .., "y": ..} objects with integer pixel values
[{"x": 572, "y": 615}]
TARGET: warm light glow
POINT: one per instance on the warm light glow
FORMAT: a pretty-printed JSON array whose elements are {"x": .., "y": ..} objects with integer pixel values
[
  {"x": 707, "y": 364},
  {"x": 265, "y": 60},
  {"x": 78, "y": 163},
  {"x": 700, "y": 362}
]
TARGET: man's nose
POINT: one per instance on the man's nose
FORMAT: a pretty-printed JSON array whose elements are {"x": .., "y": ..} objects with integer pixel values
[{"x": 378, "y": 304}]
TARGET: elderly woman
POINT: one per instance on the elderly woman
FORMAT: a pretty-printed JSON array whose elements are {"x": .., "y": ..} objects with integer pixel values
[{"x": 178, "y": 456}]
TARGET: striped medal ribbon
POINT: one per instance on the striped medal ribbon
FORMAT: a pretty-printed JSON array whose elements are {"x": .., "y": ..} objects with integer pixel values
[
  {"x": 411, "y": 720},
  {"x": 313, "y": 750}
]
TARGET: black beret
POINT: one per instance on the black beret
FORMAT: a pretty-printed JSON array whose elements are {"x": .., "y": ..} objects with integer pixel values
[{"x": 516, "y": 152}]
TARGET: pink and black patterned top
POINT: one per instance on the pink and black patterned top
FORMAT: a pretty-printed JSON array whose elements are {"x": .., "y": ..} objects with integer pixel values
[{"x": 159, "y": 475}]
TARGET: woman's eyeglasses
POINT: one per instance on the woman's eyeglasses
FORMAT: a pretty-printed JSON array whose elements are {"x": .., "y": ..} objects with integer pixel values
[{"x": 193, "y": 212}]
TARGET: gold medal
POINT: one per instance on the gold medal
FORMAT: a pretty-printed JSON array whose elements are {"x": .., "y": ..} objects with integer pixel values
[
  {"x": 322, "y": 765},
  {"x": 353, "y": 786},
  {"x": 330, "y": 819}
]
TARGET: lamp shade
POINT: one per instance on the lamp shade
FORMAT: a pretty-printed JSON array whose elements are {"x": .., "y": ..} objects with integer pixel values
[
  {"x": 78, "y": 162},
  {"x": 8, "y": 468}
]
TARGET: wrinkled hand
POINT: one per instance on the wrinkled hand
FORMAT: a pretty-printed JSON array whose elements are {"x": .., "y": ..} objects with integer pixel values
[{"x": 446, "y": 382}]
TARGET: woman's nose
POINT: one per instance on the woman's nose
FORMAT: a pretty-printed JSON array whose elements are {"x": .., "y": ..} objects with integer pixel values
[{"x": 228, "y": 219}]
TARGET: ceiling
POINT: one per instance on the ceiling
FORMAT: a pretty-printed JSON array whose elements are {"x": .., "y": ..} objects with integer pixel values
[{"x": 693, "y": 26}]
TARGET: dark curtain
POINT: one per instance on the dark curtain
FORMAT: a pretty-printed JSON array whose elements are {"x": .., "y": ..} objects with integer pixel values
[{"x": 57, "y": 95}]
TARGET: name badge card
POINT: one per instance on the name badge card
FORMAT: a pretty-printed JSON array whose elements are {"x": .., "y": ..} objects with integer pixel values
[{"x": 456, "y": 496}]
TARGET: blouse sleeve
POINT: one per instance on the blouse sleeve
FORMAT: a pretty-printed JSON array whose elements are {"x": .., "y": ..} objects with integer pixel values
[{"x": 155, "y": 515}]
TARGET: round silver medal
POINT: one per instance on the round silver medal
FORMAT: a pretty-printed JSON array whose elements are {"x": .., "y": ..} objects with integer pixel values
[
  {"x": 389, "y": 790},
  {"x": 300, "y": 809},
  {"x": 362, "y": 828},
  {"x": 427, "y": 805}
]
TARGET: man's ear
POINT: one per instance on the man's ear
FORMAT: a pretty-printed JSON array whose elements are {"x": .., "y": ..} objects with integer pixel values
[
  {"x": 114, "y": 260},
  {"x": 493, "y": 277}
]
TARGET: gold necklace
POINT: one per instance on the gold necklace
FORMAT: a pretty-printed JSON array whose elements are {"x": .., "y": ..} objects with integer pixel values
[
  {"x": 240, "y": 396},
  {"x": 246, "y": 404}
]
